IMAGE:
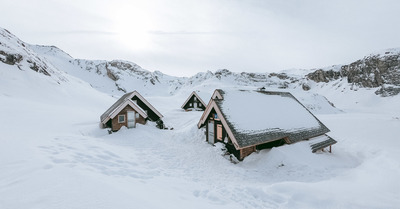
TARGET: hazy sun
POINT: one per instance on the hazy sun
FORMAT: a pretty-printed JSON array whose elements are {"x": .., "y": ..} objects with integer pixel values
[{"x": 132, "y": 26}]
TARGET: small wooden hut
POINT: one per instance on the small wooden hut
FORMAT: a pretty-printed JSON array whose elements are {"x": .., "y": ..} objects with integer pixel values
[
  {"x": 196, "y": 102},
  {"x": 246, "y": 121},
  {"x": 130, "y": 109}
]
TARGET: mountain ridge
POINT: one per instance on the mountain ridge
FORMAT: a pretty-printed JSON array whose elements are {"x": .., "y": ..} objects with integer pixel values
[{"x": 380, "y": 72}]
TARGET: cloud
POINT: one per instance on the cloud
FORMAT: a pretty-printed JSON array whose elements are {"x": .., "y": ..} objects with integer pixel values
[
  {"x": 255, "y": 35},
  {"x": 86, "y": 32},
  {"x": 183, "y": 33}
]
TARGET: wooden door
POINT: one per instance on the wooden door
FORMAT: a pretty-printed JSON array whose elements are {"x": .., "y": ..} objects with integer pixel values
[
  {"x": 210, "y": 127},
  {"x": 131, "y": 119}
]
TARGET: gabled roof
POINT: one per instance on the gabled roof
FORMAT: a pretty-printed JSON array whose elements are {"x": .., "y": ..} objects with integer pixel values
[
  {"x": 257, "y": 117},
  {"x": 111, "y": 114},
  {"x": 123, "y": 102},
  {"x": 200, "y": 96},
  {"x": 135, "y": 93}
]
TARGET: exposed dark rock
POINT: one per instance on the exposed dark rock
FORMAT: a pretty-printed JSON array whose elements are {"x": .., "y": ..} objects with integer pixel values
[
  {"x": 119, "y": 88},
  {"x": 10, "y": 59},
  {"x": 370, "y": 72},
  {"x": 110, "y": 74},
  {"x": 324, "y": 76},
  {"x": 222, "y": 73},
  {"x": 305, "y": 87},
  {"x": 38, "y": 68},
  {"x": 282, "y": 76},
  {"x": 283, "y": 85},
  {"x": 388, "y": 91}
]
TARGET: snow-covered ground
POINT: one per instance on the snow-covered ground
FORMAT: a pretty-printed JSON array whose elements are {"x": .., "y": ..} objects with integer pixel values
[{"x": 53, "y": 155}]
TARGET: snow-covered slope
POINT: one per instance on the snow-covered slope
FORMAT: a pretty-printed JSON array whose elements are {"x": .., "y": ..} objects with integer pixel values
[
  {"x": 113, "y": 77},
  {"x": 53, "y": 154},
  {"x": 15, "y": 52}
]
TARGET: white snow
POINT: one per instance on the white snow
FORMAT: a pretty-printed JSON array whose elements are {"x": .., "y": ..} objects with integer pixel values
[
  {"x": 53, "y": 154},
  {"x": 251, "y": 111},
  {"x": 204, "y": 95}
]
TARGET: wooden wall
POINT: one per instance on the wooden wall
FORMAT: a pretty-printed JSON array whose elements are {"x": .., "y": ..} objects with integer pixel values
[
  {"x": 240, "y": 154},
  {"x": 191, "y": 101},
  {"x": 150, "y": 113},
  {"x": 115, "y": 126},
  {"x": 246, "y": 152}
]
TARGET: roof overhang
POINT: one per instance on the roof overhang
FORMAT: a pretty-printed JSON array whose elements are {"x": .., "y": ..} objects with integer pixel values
[{"x": 117, "y": 110}]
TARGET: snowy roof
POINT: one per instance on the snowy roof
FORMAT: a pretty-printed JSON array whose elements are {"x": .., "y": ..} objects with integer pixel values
[
  {"x": 124, "y": 101},
  {"x": 205, "y": 96},
  {"x": 256, "y": 117},
  {"x": 320, "y": 142},
  {"x": 113, "y": 107}
]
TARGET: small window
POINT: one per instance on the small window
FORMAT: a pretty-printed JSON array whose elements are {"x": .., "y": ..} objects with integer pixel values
[
  {"x": 199, "y": 104},
  {"x": 215, "y": 116},
  {"x": 121, "y": 118},
  {"x": 195, "y": 99},
  {"x": 146, "y": 112},
  {"x": 137, "y": 115},
  {"x": 190, "y": 104}
]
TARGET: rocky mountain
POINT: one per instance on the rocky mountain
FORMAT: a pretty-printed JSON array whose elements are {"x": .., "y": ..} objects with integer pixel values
[
  {"x": 15, "y": 52},
  {"x": 380, "y": 72}
]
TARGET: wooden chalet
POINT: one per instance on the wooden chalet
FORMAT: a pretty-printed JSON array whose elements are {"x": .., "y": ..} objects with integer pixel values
[
  {"x": 129, "y": 110},
  {"x": 195, "y": 101},
  {"x": 246, "y": 121}
]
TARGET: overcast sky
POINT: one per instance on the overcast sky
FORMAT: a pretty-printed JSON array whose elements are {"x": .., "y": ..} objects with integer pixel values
[{"x": 183, "y": 37}]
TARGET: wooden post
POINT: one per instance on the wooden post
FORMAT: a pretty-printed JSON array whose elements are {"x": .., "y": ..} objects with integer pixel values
[{"x": 330, "y": 148}]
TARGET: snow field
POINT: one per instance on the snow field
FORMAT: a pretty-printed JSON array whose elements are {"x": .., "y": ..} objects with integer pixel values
[{"x": 53, "y": 155}]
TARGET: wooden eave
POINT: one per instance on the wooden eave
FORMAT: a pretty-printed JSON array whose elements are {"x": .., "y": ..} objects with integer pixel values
[
  {"x": 117, "y": 110},
  {"x": 217, "y": 95},
  {"x": 272, "y": 140},
  {"x": 212, "y": 105}
]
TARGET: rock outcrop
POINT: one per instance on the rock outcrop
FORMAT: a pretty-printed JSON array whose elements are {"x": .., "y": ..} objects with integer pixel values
[{"x": 378, "y": 70}]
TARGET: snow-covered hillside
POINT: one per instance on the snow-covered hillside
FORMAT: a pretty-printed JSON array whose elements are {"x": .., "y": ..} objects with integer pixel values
[{"x": 53, "y": 154}]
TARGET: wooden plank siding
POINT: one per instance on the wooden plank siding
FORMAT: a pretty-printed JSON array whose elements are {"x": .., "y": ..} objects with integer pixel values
[
  {"x": 246, "y": 152},
  {"x": 135, "y": 103},
  {"x": 220, "y": 135},
  {"x": 115, "y": 125}
]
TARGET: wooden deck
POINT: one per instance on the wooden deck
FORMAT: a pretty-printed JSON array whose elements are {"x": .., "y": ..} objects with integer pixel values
[{"x": 323, "y": 144}]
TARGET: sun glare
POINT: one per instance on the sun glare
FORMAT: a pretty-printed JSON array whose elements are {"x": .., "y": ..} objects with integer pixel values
[{"x": 132, "y": 26}]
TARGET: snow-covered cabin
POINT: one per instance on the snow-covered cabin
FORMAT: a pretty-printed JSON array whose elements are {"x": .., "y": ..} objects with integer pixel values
[
  {"x": 195, "y": 101},
  {"x": 247, "y": 120},
  {"x": 130, "y": 109}
]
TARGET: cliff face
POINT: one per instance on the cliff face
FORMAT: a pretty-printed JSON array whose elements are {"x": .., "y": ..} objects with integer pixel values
[{"x": 378, "y": 70}]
